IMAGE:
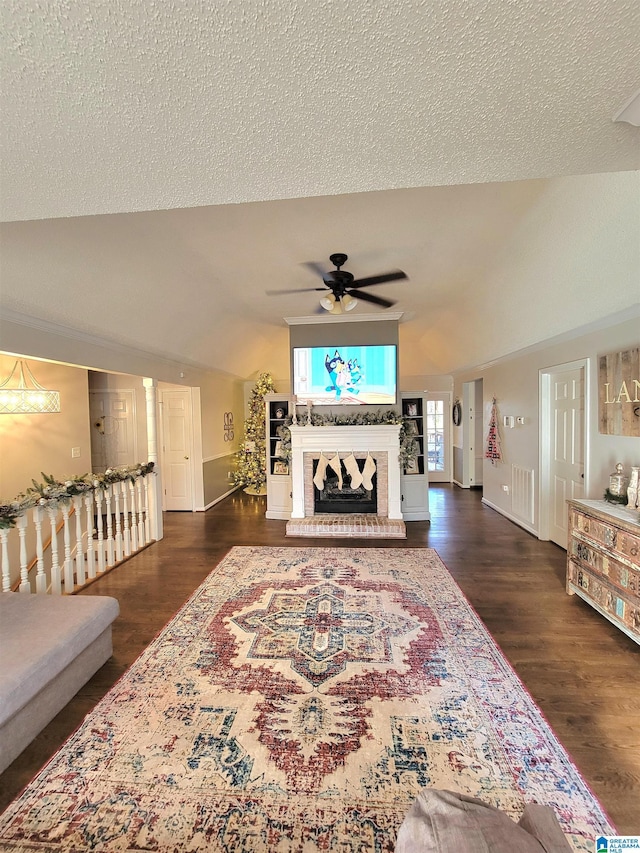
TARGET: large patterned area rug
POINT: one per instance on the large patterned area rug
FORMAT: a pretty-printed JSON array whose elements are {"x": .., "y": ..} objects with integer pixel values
[{"x": 299, "y": 701}]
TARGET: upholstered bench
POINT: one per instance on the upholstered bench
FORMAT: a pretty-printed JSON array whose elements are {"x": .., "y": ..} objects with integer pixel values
[{"x": 50, "y": 645}]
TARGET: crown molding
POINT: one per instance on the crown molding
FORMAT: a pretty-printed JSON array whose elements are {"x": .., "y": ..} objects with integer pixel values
[
  {"x": 91, "y": 340},
  {"x": 314, "y": 319}
]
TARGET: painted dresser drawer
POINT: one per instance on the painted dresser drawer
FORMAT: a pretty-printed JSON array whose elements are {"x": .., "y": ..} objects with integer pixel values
[
  {"x": 619, "y": 607},
  {"x": 621, "y": 542},
  {"x": 618, "y": 573}
]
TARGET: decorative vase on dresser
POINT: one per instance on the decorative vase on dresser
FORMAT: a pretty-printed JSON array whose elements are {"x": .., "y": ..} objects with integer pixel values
[{"x": 603, "y": 561}]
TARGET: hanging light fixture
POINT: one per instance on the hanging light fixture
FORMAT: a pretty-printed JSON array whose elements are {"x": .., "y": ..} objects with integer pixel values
[
  {"x": 337, "y": 305},
  {"x": 23, "y": 395},
  {"x": 348, "y": 302},
  {"x": 328, "y": 302}
]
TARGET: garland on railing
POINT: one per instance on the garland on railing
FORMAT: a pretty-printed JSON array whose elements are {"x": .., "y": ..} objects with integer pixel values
[
  {"x": 408, "y": 446},
  {"x": 53, "y": 492}
]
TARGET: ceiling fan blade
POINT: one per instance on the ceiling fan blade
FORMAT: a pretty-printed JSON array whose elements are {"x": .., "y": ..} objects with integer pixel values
[
  {"x": 315, "y": 267},
  {"x": 379, "y": 279},
  {"x": 367, "y": 297},
  {"x": 298, "y": 290}
]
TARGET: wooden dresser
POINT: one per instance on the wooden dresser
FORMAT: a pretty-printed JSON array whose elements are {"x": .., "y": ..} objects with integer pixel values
[{"x": 603, "y": 561}]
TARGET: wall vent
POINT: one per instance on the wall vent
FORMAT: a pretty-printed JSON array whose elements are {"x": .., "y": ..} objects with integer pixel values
[{"x": 522, "y": 495}]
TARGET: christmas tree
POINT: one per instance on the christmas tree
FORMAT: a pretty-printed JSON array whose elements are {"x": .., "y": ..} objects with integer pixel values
[{"x": 251, "y": 459}]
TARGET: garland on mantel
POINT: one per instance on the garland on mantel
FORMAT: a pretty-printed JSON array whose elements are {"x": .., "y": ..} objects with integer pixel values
[
  {"x": 51, "y": 493},
  {"x": 408, "y": 445}
]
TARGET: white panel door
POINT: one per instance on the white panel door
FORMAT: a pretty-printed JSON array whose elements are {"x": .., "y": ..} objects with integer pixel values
[
  {"x": 113, "y": 429},
  {"x": 567, "y": 448},
  {"x": 177, "y": 472},
  {"x": 438, "y": 437}
]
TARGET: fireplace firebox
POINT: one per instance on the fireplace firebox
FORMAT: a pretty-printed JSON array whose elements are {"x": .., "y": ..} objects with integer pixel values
[{"x": 332, "y": 499}]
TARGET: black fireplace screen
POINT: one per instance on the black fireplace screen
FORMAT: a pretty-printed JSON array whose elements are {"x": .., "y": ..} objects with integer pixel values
[{"x": 333, "y": 499}]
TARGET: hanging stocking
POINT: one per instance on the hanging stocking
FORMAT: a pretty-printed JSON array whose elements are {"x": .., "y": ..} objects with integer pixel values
[
  {"x": 368, "y": 471},
  {"x": 321, "y": 472},
  {"x": 351, "y": 464},
  {"x": 334, "y": 464}
]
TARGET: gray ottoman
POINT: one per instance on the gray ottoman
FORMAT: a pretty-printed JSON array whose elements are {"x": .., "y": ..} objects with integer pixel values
[{"x": 50, "y": 645}]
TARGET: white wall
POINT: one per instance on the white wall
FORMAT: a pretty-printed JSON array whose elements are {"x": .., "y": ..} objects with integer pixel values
[{"x": 515, "y": 384}]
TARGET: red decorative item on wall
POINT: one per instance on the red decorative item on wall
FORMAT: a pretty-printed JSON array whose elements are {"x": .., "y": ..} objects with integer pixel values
[{"x": 493, "y": 451}]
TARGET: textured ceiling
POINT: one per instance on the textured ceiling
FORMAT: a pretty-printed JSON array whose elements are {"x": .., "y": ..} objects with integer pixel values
[
  {"x": 164, "y": 163},
  {"x": 122, "y": 105}
]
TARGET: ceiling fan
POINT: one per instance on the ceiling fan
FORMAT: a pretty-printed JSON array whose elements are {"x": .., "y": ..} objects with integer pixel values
[{"x": 343, "y": 287}]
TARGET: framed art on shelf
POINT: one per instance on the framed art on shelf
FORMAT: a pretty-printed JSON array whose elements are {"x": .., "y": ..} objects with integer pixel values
[
  {"x": 412, "y": 467},
  {"x": 280, "y": 468},
  {"x": 278, "y": 449},
  {"x": 412, "y": 410}
]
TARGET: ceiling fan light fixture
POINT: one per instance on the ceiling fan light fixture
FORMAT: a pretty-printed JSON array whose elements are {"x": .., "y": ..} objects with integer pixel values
[
  {"x": 348, "y": 302},
  {"x": 328, "y": 302}
]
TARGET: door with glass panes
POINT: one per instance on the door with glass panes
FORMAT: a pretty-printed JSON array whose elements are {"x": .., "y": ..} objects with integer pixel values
[{"x": 438, "y": 437}]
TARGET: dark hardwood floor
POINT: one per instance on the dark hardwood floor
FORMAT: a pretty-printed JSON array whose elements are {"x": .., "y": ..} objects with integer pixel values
[{"x": 583, "y": 673}]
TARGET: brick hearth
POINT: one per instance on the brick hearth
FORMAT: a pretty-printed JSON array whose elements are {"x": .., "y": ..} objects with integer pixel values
[{"x": 347, "y": 525}]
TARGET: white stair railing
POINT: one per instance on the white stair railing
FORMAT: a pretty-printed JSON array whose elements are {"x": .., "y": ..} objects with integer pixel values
[{"x": 96, "y": 523}]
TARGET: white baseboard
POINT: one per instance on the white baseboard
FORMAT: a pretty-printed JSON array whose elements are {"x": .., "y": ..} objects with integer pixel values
[
  {"x": 512, "y": 518},
  {"x": 217, "y": 500}
]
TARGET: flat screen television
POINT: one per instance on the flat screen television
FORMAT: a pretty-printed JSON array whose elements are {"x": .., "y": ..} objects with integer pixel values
[{"x": 345, "y": 375}]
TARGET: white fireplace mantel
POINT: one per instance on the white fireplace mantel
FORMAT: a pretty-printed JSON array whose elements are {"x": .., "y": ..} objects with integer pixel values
[{"x": 376, "y": 438}]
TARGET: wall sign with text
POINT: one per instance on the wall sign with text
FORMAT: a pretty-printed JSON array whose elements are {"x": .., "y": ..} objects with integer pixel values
[{"x": 619, "y": 393}]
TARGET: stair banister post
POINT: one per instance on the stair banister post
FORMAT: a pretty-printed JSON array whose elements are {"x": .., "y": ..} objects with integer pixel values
[
  {"x": 41, "y": 577},
  {"x": 125, "y": 513},
  {"x": 147, "y": 518},
  {"x": 134, "y": 525},
  {"x": 6, "y": 569},
  {"x": 110, "y": 549},
  {"x": 80, "y": 574},
  {"x": 68, "y": 559},
  {"x": 155, "y": 503},
  {"x": 21, "y": 524},
  {"x": 117, "y": 491},
  {"x": 141, "y": 538},
  {"x": 56, "y": 580},
  {"x": 100, "y": 528},
  {"x": 89, "y": 501}
]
